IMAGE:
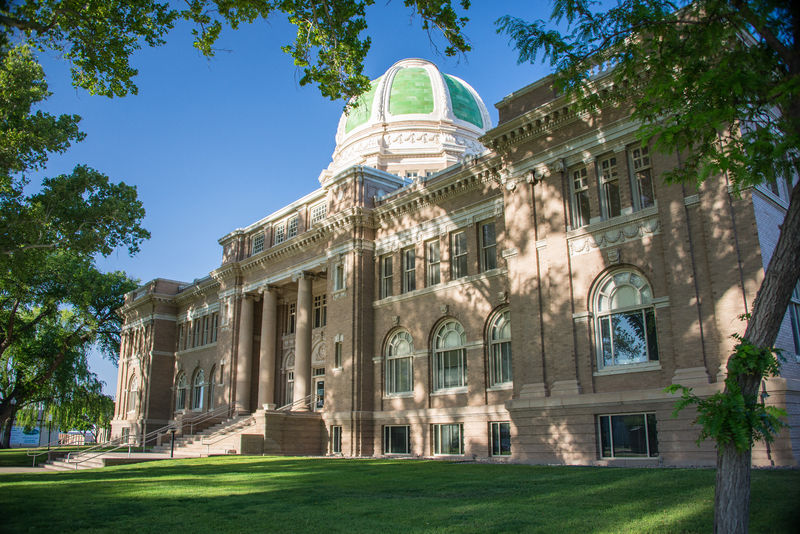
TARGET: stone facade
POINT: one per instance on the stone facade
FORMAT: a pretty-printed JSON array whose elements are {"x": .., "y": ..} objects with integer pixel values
[{"x": 373, "y": 316}]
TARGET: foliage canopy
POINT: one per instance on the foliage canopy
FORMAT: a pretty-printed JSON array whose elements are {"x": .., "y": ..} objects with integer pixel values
[{"x": 99, "y": 37}]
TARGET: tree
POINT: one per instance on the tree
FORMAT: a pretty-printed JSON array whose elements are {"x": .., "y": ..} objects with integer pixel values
[
  {"x": 98, "y": 38},
  {"x": 54, "y": 302},
  {"x": 718, "y": 81}
]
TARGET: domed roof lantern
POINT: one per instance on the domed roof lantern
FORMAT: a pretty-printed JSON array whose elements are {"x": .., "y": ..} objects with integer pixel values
[{"x": 413, "y": 120}]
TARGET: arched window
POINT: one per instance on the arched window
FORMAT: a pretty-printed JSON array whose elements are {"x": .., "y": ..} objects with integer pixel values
[
  {"x": 625, "y": 320},
  {"x": 449, "y": 357},
  {"x": 180, "y": 393},
  {"x": 500, "y": 349},
  {"x": 212, "y": 378},
  {"x": 198, "y": 390},
  {"x": 399, "y": 367},
  {"x": 133, "y": 393}
]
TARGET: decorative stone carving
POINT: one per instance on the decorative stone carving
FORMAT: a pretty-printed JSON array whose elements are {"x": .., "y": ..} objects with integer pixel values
[{"x": 614, "y": 235}]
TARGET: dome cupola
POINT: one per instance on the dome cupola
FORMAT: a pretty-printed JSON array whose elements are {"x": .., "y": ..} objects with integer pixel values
[{"x": 414, "y": 120}]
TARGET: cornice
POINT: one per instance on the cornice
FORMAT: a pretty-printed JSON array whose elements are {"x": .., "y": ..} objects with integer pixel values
[
  {"x": 147, "y": 298},
  {"x": 469, "y": 176},
  {"x": 207, "y": 285},
  {"x": 539, "y": 121},
  {"x": 353, "y": 217}
]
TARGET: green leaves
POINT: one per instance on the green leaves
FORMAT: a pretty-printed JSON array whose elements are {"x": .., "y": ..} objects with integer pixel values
[
  {"x": 26, "y": 137},
  {"x": 714, "y": 79},
  {"x": 99, "y": 37},
  {"x": 734, "y": 416}
]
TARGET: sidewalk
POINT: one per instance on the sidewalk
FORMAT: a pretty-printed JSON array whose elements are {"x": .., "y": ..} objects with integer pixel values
[{"x": 8, "y": 470}]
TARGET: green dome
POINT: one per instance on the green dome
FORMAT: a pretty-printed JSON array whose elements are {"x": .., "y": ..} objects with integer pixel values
[{"x": 412, "y": 87}]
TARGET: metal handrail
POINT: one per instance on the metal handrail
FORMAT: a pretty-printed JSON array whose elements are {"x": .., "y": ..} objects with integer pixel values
[
  {"x": 308, "y": 400},
  {"x": 54, "y": 445},
  {"x": 125, "y": 441},
  {"x": 205, "y": 416}
]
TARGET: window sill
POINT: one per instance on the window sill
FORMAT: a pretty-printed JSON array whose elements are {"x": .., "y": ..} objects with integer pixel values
[
  {"x": 448, "y": 391},
  {"x": 195, "y": 349},
  {"x": 404, "y": 395},
  {"x": 630, "y": 368},
  {"x": 501, "y": 387}
]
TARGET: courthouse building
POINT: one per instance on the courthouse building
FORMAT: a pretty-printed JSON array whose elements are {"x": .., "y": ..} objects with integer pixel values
[{"x": 522, "y": 291}]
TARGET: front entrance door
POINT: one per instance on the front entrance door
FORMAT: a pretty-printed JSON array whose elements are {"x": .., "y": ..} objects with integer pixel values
[{"x": 320, "y": 394}]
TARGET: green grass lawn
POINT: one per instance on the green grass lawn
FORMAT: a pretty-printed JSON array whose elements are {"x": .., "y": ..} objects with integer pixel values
[{"x": 277, "y": 494}]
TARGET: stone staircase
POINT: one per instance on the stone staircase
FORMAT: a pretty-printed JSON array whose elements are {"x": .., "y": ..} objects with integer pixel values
[
  {"x": 262, "y": 432},
  {"x": 224, "y": 437}
]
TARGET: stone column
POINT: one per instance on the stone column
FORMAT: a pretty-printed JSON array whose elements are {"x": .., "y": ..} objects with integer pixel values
[
  {"x": 266, "y": 368},
  {"x": 123, "y": 348},
  {"x": 302, "y": 341},
  {"x": 244, "y": 355}
]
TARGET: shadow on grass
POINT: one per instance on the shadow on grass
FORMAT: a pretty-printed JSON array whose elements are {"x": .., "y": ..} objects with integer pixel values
[{"x": 302, "y": 495}]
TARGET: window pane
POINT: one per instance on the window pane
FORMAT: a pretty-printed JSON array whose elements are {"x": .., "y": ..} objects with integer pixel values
[
  {"x": 605, "y": 436},
  {"x": 582, "y": 208},
  {"x": 630, "y": 435},
  {"x": 644, "y": 185},
  {"x": 629, "y": 337},
  {"x": 605, "y": 326},
  {"x": 501, "y": 439},
  {"x": 651, "y": 434},
  {"x": 396, "y": 440},
  {"x": 652, "y": 338},
  {"x": 612, "y": 198}
]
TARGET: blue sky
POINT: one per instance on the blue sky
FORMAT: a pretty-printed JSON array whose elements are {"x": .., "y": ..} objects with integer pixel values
[{"x": 214, "y": 145}]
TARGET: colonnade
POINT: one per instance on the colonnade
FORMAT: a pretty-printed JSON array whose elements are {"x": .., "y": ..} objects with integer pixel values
[{"x": 267, "y": 347}]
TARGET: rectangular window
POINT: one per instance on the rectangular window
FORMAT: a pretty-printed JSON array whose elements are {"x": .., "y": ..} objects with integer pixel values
[
  {"x": 214, "y": 326},
  {"x": 450, "y": 369},
  {"x": 628, "y": 436},
  {"x": 206, "y": 331},
  {"x": 580, "y": 198},
  {"x": 448, "y": 439},
  {"x": 399, "y": 375},
  {"x": 180, "y": 336},
  {"x": 432, "y": 260},
  {"x": 318, "y": 371},
  {"x": 488, "y": 246},
  {"x": 409, "y": 270},
  {"x": 320, "y": 311},
  {"x": 280, "y": 233},
  {"x": 257, "y": 244},
  {"x": 318, "y": 212},
  {"x": 337, "y": 355},
  {"x": 609, "y": 185},
  {"x": 336, "y": 439},
  {"x": 501, "y": 438},
  {"x": 386, "y": 276},
  {"x": 396, "y": 440},
  {"x": 338, "y": 276},
  {"x": 291, "y": 313},
  {"x": 196, "y": 333},
  {"x": 292, "y": 230},
  {"x": 458, "y": 255},
  {"x": 642, "y": 178}
]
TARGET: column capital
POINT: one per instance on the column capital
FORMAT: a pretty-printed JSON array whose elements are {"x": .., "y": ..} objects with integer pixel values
[{"x": 303, "y": 275}]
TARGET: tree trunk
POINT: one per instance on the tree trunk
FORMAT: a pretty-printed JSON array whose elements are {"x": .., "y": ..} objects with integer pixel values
[
  {"x": 6, "y": 422},
  {"x": 732, "y": 498}
]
